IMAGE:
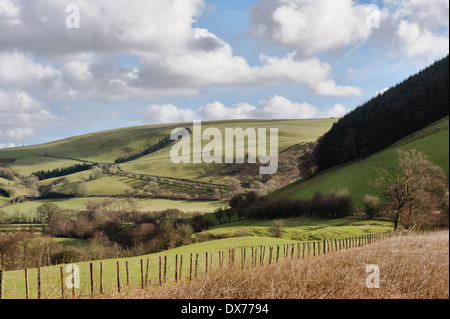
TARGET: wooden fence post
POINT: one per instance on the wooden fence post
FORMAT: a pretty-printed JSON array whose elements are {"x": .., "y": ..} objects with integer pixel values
[
  {"x": 206, "y": 263},
  {"x": 160, "y": 281},
  {"x": 62, "y": 282},
  {"x": 190, "y": 269},
  {"x": 1, "y": 284},
  {"x": 278, "y": 253},
  {"x": 196, "y": 265},
  {"x": 303, "y": 250},
  {"x": 118, "y": 276},
  {"x": 39, "y": 282},
  {"x": 263, "y": 254},
  {"x": 92, "y": 278},
  {"x": 165, "y": 268},
  {"x": 73, "y": 281},
  {"x": 27, "y": 286},
  {"x": 142, "y": 274},
  {"x": 176, "y": 268},
  {"x": 146, "y": 273},
  {"x": 253, "y": 257},
  {"x": 101, "y": 278},
  {"x": 181, "y": 266},
  {"x": 127, "y": 272}
]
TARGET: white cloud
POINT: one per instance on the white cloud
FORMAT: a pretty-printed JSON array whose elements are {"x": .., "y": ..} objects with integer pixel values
[
  {"x": 381, "y": 92},
  {"x": 309, "y": 25},
  {"x": 18, "y": 102},
  {"x": 18, "y": 69},
  {"x": 167, "y": 113},
  {"x": 175, "y": 57},
  {"x": 106, "y": 26},
  {"x": 22, "y": 116},
  {"x": 9, "y": 12},
  {"x": 338, "y": 110},
  {"x": 427, "y": 14},
  {"x": 277, "y": 107},
  {"x": 412, "y": 27},
  {"x": 418, "y": 28},
  {"x": 9, "y": 145},
  {"x": 415, "y": 41}
]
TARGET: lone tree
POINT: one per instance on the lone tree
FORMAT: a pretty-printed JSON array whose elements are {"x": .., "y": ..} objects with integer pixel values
[
  {"x": 371, "y": 205},
  {"x": 46, "y": 211},
  {"x": 414, "y": 185}
]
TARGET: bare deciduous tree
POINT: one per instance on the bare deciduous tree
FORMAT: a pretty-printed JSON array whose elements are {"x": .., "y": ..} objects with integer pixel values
[{"x": 414, "y": 184}]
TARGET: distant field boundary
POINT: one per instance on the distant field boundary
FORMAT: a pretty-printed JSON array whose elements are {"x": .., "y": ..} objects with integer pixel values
[{"x": 111, "y": 276}]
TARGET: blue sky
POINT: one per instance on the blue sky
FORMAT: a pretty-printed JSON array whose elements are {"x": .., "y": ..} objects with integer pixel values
[{"x": 145, "y": 62}]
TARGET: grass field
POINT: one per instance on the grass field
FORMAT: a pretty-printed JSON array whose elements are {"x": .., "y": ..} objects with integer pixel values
[
  {"x": 15, "y": 284},
  {"x": 105, "y": 147},
  {"x": 433, "y": 141},
  {"x": 188, "y": 206},
  {"x": 305, "y": 228},
  {"x": 297, "y": 229},
  {"x": 291, "y": 132}
]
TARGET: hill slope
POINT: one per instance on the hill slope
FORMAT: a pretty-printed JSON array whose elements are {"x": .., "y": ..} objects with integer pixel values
[
  {"x": 432, "y": 140},
  {"x": 106, "y": 147},
  {"x": 404, "y": 109}
]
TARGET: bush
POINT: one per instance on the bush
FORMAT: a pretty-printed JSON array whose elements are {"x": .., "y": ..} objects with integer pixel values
[
  {"x": 334, "y": 205},
  {"x": 200, "y": 223},
  {"x": 371, "y": 205},
  {"x": 66, "y": 256},
  {"x": 276, "y": 228}
]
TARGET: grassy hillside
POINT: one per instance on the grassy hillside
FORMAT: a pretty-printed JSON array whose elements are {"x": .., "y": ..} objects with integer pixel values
[
  {"x": 105, "y": 147},
  {"x": 432, "y": 140}
]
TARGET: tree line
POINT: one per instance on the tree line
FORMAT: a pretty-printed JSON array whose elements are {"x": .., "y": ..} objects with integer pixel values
[
  {"x": 336, "y": 204},
  {"x": 58, "y": 172},
  {"x": 146, "y": 150},
  {"x": 402, "y": 110}
]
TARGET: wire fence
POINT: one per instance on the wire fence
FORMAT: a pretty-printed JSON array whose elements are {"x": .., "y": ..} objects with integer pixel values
[{"x": 90, "y": 279}]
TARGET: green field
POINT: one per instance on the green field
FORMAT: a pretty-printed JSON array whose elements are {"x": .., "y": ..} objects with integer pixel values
[
  {"x": 432, "y": 141},
  {"x": 105, "y": 147},
  {"x": 188, "y": 206},
  {"x": 205, "y": 257},
  {"x": 291, "y": 132},
  {"x": 305, "y": 228}
]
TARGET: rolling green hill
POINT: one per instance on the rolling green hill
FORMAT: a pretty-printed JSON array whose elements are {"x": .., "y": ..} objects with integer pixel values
[
  {"x": 432, "y": 141},
  {"x": 105, "y": 147}
]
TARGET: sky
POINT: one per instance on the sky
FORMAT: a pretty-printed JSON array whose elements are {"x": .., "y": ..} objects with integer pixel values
[{"x": 73, "y": 67}]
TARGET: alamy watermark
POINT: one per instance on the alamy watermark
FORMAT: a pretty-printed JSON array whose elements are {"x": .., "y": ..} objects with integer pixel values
[
  {"x": 73, "y": 279},
  {"x": 373, "y": 279},
  {"x": 229, "y": 148},
  {"x": 374, "y": 16},
  {"x": 73, "y": 17}
]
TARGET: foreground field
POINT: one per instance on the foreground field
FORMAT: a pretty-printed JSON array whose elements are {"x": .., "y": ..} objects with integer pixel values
[
  {"x": 411, "y": 266},
  {"x": 15, "y": 286},
  {"x": 305, "y": 228}
]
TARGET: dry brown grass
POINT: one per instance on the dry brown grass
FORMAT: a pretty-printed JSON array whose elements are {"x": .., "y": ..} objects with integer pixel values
[{"x": 411, "y": 266}]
